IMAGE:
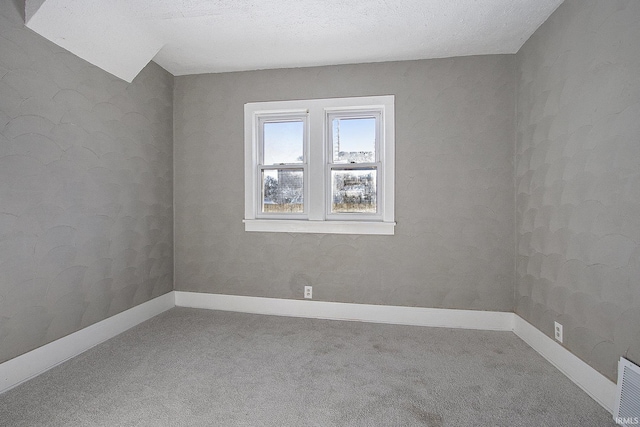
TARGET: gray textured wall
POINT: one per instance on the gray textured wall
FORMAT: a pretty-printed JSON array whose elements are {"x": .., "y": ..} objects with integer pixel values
[
  {"x": 454, "y": 244},
  {"x": 85, "y": 189},
  {"x": 578, "y": 179}
]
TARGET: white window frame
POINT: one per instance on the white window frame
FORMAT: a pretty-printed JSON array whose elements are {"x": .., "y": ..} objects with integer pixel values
[
  {"x": 331, "y": 113},
  {"x": 317, "y": 217},
  {"x": 280, "y": 116}
]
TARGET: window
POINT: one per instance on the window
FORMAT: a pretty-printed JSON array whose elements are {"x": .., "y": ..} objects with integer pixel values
[{"x": 320, "y": 166}]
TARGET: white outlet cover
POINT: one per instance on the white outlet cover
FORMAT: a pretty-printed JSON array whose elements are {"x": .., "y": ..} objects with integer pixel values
[
  {"x": 308, "y": 292},
  {"x": 558, "y": 331}
]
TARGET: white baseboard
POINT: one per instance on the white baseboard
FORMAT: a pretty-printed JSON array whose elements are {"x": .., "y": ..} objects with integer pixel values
[
  {"x": 596, "y": 385},
  {"x": 417, "y": 316},
  {"x": 24, "y": 367}
]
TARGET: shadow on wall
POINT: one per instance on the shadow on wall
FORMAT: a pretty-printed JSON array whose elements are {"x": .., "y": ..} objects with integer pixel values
[{"x": 20, "y": 5}]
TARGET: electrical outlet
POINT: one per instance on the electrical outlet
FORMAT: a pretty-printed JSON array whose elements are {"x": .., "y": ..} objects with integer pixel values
[
  {"x": 308, "y": 292},
  {"x": 558, "y": 331}
]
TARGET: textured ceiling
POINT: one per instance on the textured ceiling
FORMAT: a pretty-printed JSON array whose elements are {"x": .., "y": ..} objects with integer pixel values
[{"x": 201, "y": 36}]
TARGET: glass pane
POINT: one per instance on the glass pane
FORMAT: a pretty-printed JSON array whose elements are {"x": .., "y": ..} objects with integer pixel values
[
  {"x": 283, "y": 142},
  {"x": 354, "y": 140},
  {"x": 353, "y": 190},
  {"x": 282, "y": 191}
]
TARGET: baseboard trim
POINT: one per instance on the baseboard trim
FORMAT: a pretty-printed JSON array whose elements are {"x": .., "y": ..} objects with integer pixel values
[
  {"x": 24, "y": 367},
  {"x": 417, "y": 316},
  {"x": 596, "y": 385}
]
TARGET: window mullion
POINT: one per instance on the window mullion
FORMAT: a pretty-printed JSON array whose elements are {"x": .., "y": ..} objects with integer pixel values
[{"x": 316, "y": 150}]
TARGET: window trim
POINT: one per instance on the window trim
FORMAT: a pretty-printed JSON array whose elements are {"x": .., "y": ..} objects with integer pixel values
[{"x": 317, "y": 218}]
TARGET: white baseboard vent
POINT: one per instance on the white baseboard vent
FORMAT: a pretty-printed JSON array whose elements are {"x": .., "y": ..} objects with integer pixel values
[{"x": 627, "y": 408}]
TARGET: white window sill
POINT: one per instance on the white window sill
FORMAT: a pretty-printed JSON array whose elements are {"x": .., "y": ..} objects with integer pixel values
[{"x": 329, "y": 227}]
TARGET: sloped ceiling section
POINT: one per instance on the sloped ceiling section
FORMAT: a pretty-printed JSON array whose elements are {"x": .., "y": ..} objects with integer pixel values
[
  {"x": 204, "y": 36},
  {"x": 100, "y": 32}
]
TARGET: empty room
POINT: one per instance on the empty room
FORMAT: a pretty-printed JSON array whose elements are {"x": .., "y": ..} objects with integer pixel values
[{"x": 320, "y": 213}]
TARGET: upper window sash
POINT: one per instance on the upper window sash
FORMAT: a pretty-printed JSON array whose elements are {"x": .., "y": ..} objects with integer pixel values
[
  {"x": 266, "y": 119},
  {"x": 345, "y": 116}
]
